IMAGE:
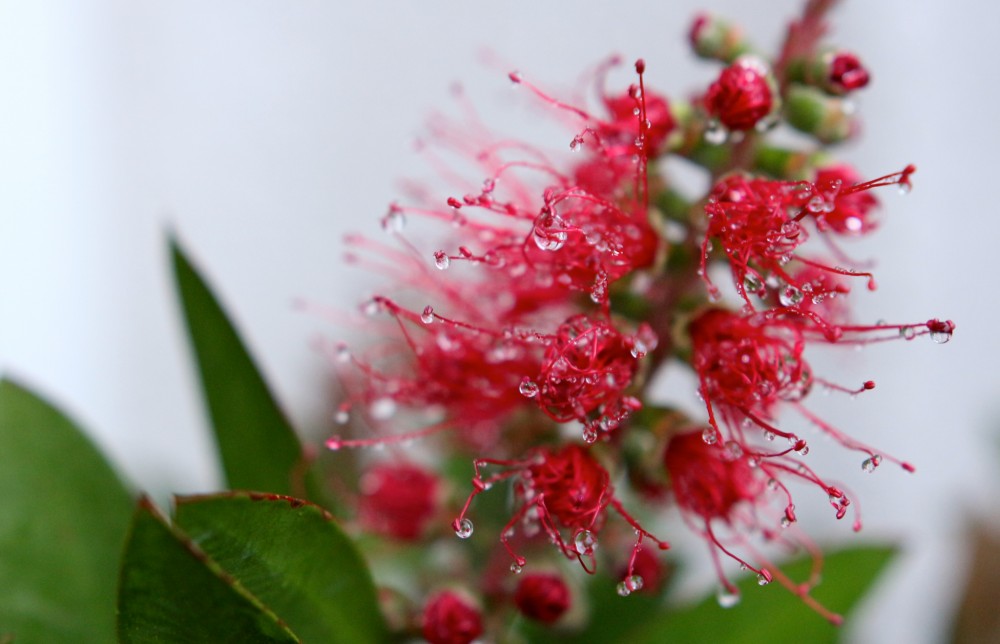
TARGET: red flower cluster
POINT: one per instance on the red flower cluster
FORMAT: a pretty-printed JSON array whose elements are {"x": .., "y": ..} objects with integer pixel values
[{"x": 564, "y": 284}]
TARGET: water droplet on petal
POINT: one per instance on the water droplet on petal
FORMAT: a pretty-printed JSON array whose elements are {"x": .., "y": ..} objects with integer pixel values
[{"x": 463, "y": 528}]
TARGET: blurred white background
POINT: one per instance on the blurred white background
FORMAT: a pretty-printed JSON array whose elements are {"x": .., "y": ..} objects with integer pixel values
[{"x": 261, "y": 131}]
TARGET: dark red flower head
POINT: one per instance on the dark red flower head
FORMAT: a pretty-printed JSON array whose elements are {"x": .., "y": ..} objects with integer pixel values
[
  {"x": 742, "y": 95},
  {"x": 707, "y": 480},
  {"x": 748, "y": 364},
  {"x": 624, "y": 124},
  {"x": 586, "y": 367},
  {"x": 542, "y": 597},
  {"x": 846, "y": 73},
  {"x": 448, "y": 619},
  {"x": 397, "y": 499},
  {"x": 575, "y": 487}
]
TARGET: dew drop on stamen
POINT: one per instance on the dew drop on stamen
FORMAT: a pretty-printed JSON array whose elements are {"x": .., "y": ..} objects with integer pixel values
[
  {"x": 709, "y": 436},
  {"x": 528, "y": 388},
  {"x": 342, "y": 353},
  {"x": 727, "y": 599},
  {"x": 907, "y": 332},
  {"x": 382, "y": 408},
  {"x": 516, "y": 568},
  {"x": 622, "y": 589},
  {"x": 585, "y": 542},
  {"x": 343, "y": 414},
  {"x": 716, "y": 133},
  {"x": 464, "y": 528},
  {"x": 394, "y": 221},
  {"x": 428, "y": 314},
  {"x": 589, "y": 434},
  {"x": 441, "y": 260},
  {"x": 634, "y": 583},
  {"x": 764, "y": 578},
  {"x": 334, "y": 443},
  {"x": 940, "y": 337},
  {"x": 790, "y": 296},
  {"x": 869, "y": 464}
]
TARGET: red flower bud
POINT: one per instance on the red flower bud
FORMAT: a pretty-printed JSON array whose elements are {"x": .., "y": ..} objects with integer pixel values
[
  {"x": 846, "y": 73},
  {"x": 450, "y": 620},
  {"x": 742, "y": 95},
  {"x": 542, "y": 597},
  {"x": 397, "y": 499}
]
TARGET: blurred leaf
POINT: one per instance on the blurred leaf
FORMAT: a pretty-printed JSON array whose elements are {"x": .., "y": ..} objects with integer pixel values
[
  {"x": 63, "y": 518},
  {"x": 171, "y": 591},
  {"x": 772, "y": 614},
  {"x": 258, "y": 447},
  {"x": 293, "y": 557}
]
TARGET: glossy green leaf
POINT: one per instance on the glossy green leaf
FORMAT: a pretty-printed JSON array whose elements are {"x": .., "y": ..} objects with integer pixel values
[
  {"x": 292, "y": 556},
  {"x": 258, "y": 447},
  {"x": 63, "y": 518},
  {"x": 171, "y": 591},
  {"x": 772, "y": 614}
]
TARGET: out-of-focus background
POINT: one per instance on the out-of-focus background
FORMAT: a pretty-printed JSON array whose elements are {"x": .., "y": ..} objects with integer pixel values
[{"x": 261, "y": 132}]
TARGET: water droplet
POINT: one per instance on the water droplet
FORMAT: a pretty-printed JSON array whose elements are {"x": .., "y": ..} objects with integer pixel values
[
  {"x": 790, "y": 296},
  {"x": 734, "y": 449},
  {"x": 343, "y": 414},
  {"x": 441, "y": 260},
  {"x": 334, "y": 443},
  {"x": 907, "y": 332},
  {"x": 516, "y": 568},
  {"x": 548, "y": 232},
  {"x": 382, "y": 408},
  {"x": 904, "y": 188},
  {"x": 727, "y": 599},
  {"x": 709, "y": 436},
  {"x": 752, "y": 283},
  {"x": 428, "y": 314},
  {"x": 622, "y": 589},
  {"x": 589, "y": 434},
  {"x": 940, "y": 337},
  {"x": 585, "y": 542},
  {"x": 528, "y": 388},
  {"x": 634, "y": 582},
  {"x": 342, "y": 353},
  {"x": 372, "y": 307},
  {"x": 463, "y": 528},
  {"x": 772, "y": 484},
  {"x": 394, "y": 221},
  {"x": 869, "y": 464},
  {"x": 768, "y": 435},
  {"x": 764, "y": 578},
  {"x": 716, "y": 133},
  {"x": 785, "y": 522}
]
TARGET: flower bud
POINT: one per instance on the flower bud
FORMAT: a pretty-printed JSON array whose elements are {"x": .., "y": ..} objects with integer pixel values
[
  {"x": 714, "y": 38},
  {"x": 542, "y": 597},
  {"x": 742, "y": 96},
  {"x": 448, "y": 619}
]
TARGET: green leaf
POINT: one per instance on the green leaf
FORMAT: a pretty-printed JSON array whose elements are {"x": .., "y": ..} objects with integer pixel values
[
  {"x": 171, "y": 591},
  {"x": 772, "y": 614},
  {"x": 293, "y": 557},
  {"x": 63, "y": 517},
  {"x": 258, "y": 447}
]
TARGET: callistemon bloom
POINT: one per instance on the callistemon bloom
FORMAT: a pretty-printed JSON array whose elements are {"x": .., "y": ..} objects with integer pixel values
[
  {"x": 743, "y": 95},
  {"x": 723, "y": 495},
  {"x": 397, "y": 499},
  {"x": 760, "y": 225},
  {"x": 564, "y": 493},
  {"x": 542, "y": 597},
  {"x": 469, "y": 374},
  {"x": 588, "y": 364},
  {"x": 450, "y": 619}
]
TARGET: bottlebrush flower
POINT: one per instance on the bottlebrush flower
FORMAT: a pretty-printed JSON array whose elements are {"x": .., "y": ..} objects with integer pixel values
[
  {"x": 542, "y": 597},
  {"x": 449, "y": 619},
  {"x": 397, "y": 499},
  {"x": 760, "y": 225},
  {"x": 564, "y": 493},
  {"x": 719, "y": 488}
]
